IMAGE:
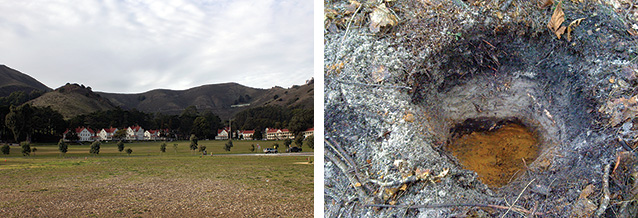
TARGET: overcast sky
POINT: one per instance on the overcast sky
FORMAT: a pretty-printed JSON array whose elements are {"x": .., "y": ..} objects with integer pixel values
[{"x": 132, "y": 46}]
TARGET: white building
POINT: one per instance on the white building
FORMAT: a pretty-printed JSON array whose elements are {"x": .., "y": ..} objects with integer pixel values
[
  {"x": 106, "y": 134},
  {"x": 151, "y": 135},
  {"x": 135, "y": 133},
  {"x": 222, "y": 134},
  {"x": 308, "y": 132},
  {"x": 247, "y": 134},
  {"x": 84, "y": 134}
]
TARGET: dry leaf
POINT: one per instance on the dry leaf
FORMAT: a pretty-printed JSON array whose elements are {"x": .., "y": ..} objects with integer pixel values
[
  {"x": 573, "y": 24},
  {"x": 409, "y": 117},
  {"x": 380, "y": 17},
  {"x": 352, "y": 7},
  {"x": 357, "y": 185},
  {"x": 422, "y": 173},
  {"x": 584, "y": 207},
  {"x": 404, "y": 187},
  {"x": 443, "y": 173},
  {"x": 557, "y": 19},
  {"x": 380, "y": 73},
  {"x": 546, "y": 3},
  {"x": 632, "y": 32}
]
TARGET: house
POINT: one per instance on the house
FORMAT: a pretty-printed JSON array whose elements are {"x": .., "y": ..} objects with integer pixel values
[
  {"x": 247, "y": 134},
  {"x": 222, "y": 134},
  {"x": 106, "y": 134},
  {"x": 84, "y": 134},
  {"x": 135, "y": 133},
  {"x": 271, "y": 134},
  {"x": 151, "y": 135},
  {"x": 308, "y": 132},
  {"x": 278, "y": 134}
]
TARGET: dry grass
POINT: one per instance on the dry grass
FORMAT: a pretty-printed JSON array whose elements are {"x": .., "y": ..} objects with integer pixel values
[{"x": 147, "y": 184}]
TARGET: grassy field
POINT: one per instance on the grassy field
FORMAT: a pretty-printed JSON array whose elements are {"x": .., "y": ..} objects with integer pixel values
[{"x": 150, "y": 184}]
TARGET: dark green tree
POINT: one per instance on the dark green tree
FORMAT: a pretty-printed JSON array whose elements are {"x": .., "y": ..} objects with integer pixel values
[
  {"x": 71, "y": 136},
  {"x": 34, "y": 149},
  {"x": 26, "y": 148},
  {"x": 252, "y": 148},
  {"x": 19, "y": 121},
  {"x": 258, "y": 135},
  {"x": 120, "y": 146},
  {"x": 5, "y": 149},
  {"x": 120, "y": 134},
  {"x": 129, "y": 151},
  {"x": 287, "y": 142},
  {"x": 62, "y": 147},
  {"x": 310, "y": 141},
  {"x": 163, "y": 147},
  {"x": 228, "y": 145},
  {"x": 299, "y": 140},
  {"x": 301, "y": 120},
  {"x": 193, "y": 140},
  {"x": 201, "y": 127},
  {"x": 202, "y": 149},
  {"x": 95, "y": 148}
]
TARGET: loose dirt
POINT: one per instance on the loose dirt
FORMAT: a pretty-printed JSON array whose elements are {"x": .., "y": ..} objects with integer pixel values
[{"x": 399, "y": 75}]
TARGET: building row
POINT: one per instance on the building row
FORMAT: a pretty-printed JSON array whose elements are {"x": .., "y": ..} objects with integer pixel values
[
  {"x": 268, "y": 134},
  {"x": 133, "y": 133},
  {"x": 137, "y": 133}
]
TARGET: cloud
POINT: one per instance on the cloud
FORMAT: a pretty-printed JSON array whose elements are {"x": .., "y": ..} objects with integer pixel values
[{"x": 137, "y": 45}]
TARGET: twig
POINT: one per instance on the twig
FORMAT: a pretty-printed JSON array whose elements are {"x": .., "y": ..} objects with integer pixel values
[
  {"x": 374, "y": 85},
  {"x": 350, "y": 21},
  {"x": 394, "y": 183},
  {"x": 353, "y": 180},
  {"x": 604, "y": 201},
  {"x": 624, "y": 145},
  {"x": 339, "y": 150},
  {"x": 517, "y": 209},
  {"x": 519, "y": 196}
]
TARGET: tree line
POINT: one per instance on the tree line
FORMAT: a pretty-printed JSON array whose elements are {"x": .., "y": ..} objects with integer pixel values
[{"x": 23, "y": 122}]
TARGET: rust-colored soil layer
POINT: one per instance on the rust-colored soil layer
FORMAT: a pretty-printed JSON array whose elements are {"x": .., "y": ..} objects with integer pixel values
[{"x": 496, "y": 155}]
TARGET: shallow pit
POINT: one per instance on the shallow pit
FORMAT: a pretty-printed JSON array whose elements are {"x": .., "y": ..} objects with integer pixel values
[{"x": 496, "y": 150}]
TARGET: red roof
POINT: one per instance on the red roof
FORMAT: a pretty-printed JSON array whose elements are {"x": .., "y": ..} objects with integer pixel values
[
  {"x": 248, "y": 132},
  {"x": 272, "y": 130},
  {"x": 79, "y": 130},
  {"x": 285, "y": 130},
  {"x": 310, "y": 130},
  {"x": 135, "y": 128},
  {"x": 110, "y": 130}
]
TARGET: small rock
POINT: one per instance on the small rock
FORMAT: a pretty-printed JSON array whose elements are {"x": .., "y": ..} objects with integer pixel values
[
  {"x": 541, "y": 189},
  {"x": 442, "y": 193}
]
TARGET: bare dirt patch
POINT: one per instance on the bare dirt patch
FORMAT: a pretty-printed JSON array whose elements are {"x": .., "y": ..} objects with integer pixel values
[{"x": 399, "y": 75}]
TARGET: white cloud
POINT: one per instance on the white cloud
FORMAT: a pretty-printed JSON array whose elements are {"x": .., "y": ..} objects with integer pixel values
[{"x": 138, "y": 45}]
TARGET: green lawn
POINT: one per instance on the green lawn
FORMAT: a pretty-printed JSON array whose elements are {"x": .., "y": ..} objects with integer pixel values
[
  {"x": 151, "y": 148},
  {"x": 151, "y": 184}
]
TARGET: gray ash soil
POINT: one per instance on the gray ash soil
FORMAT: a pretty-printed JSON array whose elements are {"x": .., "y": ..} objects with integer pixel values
[{"x": 392, "y": 97}]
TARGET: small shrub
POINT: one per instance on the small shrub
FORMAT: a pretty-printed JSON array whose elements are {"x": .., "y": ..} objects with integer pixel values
[
  {"x": 5, "y": 149},
  {"x": 163, "y": 147},
  {"x": 129, "y": 151},
  {"x": 26, "y": 148}
]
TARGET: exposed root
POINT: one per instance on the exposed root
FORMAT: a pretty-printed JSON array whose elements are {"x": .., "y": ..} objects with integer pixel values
[{"x": 604, "y": 201}]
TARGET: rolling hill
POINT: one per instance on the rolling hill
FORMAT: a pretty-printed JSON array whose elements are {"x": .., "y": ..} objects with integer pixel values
[
  {"x": 12, "y": 80},
  {"x": 72, "y": 100},
  {"x": 222, "y": 99}
]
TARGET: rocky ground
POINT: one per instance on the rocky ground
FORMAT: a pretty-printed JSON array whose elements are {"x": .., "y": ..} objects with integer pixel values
[{"x": 400, "y": 74}]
